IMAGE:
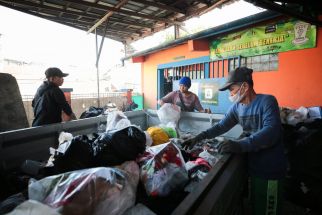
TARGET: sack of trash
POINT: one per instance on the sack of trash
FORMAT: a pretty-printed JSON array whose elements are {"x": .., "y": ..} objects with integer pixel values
[
  {"x": 117, "y": 146},
  {"x": 158, "y": 135},
  {"x": 95, "y": 191},
  {"x": 71, "y": 155},
  {"x": 301, "y": 115},
  {"x": 92, "y": 112},
  {"x": 162, "y": 170}
]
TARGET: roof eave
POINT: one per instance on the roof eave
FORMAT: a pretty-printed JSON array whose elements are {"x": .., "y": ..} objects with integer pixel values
[{"x": 211, "y": 32}]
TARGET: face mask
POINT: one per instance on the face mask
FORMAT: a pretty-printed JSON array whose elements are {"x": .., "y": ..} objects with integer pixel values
[{"x": 237, "y": 97}]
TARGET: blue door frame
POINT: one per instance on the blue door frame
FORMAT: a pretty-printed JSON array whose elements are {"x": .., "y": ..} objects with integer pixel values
[{"x": 203, "y": 73}]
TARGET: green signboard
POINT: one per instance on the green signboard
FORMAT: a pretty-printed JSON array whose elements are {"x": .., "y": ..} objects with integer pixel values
[
  {"x": 209, "y": 93},
  {"x": 271, "y": 38}
]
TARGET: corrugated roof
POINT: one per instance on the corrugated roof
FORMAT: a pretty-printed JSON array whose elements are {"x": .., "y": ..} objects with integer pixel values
[{"x": 128, "y": 20}]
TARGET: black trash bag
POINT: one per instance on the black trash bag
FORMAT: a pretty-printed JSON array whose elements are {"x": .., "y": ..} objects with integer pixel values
[
  {"x": 304, "y": 195},
  {"x": 12, "y": 182},
  {"x": 130, "y": 107},
  {"x": 160, "y": 205},
  {"x": 92, "y": 112},
  {"x": 12, "y": 202},
  {"x": 117, "y": 146},
  {"x": 79, "y": 155},
  {"x": 304, "y": 152}
]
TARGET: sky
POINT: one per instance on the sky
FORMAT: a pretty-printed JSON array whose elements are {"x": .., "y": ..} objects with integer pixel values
[{"x": 32, "y": 39}]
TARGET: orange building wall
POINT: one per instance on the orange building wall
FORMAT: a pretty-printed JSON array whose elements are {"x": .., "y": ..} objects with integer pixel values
[{"x": 298, "y": 81}]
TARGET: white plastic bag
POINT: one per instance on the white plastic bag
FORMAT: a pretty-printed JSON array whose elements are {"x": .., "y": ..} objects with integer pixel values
[
  {"x": 148, "y": 138},
  {"x": 32, "y": 207},
  {"x": 117, "y": 120},
  {"x": 169, "y": 115},
  {"x": 64, "y": 136},
  {"x": 300, "y": 115}
]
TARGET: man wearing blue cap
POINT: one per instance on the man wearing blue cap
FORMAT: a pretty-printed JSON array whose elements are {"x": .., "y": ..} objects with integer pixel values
[
  {"x": 259, "y": 116},
  {"x": 187, "y": 100}
]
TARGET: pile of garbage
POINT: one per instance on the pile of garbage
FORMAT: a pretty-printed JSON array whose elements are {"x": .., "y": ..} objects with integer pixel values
[
  {"x": 123, "y": 170},
  {"x": 302, "y": 129},
  {"x": 293, "y": 117},
  {"x": 108, "y": 108},
  {"x": 98, "y": 111}
]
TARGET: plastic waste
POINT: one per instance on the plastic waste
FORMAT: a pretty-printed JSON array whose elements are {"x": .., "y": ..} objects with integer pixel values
[
  {"x": 94, "y": 191},
  {"x": 64, "y": 136},
  {"x": 158, "y": 135},
  {"x": 212, "y": 160},
  {"x": 171, "y": 132},
  {"x": 169, "y": 114},
  {"x": 116, "y": 120},
  {"x": 162, "y": 170},
  {"x": 12, "y": 202},
  {"x": 72, "y": 155},
  {"x": 148, "y": 138},
  {"x": 117, "y": 146},
  {"x": 300, "y": 115},
  {"x": 92, "y": 112},
  {"x": 31, "y": 207},
  {"x": 139, "y": 209}
]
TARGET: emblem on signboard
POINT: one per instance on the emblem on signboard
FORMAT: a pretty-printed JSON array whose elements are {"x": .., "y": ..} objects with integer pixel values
[
  {"x": 208, "y": 93},
  {"x": 300, "y": 29}
]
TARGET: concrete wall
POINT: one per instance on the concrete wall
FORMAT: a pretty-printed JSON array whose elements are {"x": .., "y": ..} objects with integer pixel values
[
  {"x": 79, "y": 105},
  {"x": 297, "y": 82}
]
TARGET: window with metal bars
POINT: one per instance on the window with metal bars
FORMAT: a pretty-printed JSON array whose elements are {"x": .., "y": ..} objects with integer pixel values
[
  {"x": 204, "y": 70},
  {"x": 194, "y": 71},
  {"x": 220, "y": 68},
  {"x": 261, "y": 63}
]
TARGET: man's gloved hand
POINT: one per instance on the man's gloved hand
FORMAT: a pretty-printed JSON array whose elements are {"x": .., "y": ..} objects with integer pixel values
[
  {"x": 188, "y": 144},
  {"x": 229, "y": 146}
]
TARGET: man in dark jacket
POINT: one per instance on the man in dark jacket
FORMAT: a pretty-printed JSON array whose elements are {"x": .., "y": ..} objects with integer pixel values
[{"x": 50, "y": 101}]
